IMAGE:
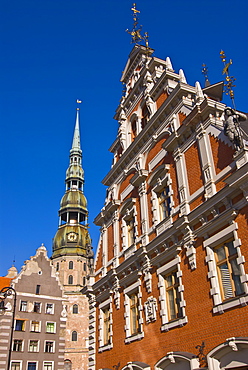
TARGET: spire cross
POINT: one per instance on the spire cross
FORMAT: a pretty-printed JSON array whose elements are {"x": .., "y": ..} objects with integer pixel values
[
  {"x": 229, "y": 79},
  {"x": 136, "y": 31}
]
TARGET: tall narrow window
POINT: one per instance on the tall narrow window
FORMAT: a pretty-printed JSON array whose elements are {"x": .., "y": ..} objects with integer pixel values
[
  {"x": 164, "y": 203},
  {"x": 74, "y": 336},
  {"x": 106, "y": 326},
  {"x": 134, "y": 314},
  {"x": 70, "y": 279},
  {"x": 75, "y": 309},
  {"x": 37, "y": 289},
  {"x": 172, "y": 296},
  {"x": 228, "y": 270},
  {"x": 57, "y": 266},
  {"x": 70, "y": 265}
]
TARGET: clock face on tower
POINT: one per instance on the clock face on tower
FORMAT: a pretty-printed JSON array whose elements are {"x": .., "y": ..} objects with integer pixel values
[{"x": 72, "y": 237}]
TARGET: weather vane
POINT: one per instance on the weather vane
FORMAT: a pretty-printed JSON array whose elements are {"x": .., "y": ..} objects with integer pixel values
[
  {"x": 136, "y": 31},
  {"x": 229, "y": 79},
  {"x": 205, "y": 74}
]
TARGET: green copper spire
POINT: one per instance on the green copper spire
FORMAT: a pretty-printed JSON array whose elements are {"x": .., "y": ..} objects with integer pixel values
[{"x": 72, "y": 237}]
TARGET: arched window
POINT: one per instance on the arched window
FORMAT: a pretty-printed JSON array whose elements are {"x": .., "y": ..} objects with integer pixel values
[
  {"x": 70, "y": 279},
  {"x": 67, "y": 365},
  {"x": 70, "y": 265},
  {"x": 57, "y": 266},
  {"x": 75, "y": 308},
  {"x": 84, "y": 266},
  {"x": 84, "y": 280},
  {"x": 74, "y": 336}
]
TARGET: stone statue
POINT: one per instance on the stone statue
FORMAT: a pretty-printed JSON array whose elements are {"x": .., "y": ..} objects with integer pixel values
[{"x": 232, "y": 128}]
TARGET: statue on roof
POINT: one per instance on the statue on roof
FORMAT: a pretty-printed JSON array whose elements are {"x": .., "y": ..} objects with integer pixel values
[{"x": 232, "y": 128}]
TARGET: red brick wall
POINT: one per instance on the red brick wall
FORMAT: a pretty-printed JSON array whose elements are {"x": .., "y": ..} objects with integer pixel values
[
  {"x": 162, "y": 97},
  {"x": 193, "y": 167},
  {"x": 110, "y": 242},
  {"x": 222, "y": 154}
]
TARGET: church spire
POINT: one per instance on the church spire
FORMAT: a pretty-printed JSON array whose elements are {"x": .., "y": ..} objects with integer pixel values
[
  {"x": 72, "y": 237},
  {"x": 76, "y": 137}
]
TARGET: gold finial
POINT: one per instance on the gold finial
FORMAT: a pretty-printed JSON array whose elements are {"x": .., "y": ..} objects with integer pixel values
[
  {"x": 78, "y": 102},
  {"x": 136, "y": 31},
  {"x": 229, "y": 79}
]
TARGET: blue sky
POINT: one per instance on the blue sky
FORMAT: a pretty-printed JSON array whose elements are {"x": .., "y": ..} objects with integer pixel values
[{"x": 56, "y": 51}]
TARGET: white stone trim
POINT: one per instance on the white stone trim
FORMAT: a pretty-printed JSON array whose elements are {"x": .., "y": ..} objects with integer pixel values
[
  {"x": 102, "y": 305},
  {"x": 161, "y": 272},
  {"x": 20, "y": 362},
  {"x": 135, "y": 287},
  {"x": 126, "y": 191},
  {"x": 161, "y": 154}
]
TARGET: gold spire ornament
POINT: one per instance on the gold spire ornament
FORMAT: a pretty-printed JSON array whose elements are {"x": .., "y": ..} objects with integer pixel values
[
  {"x": 136, "y": 31},
  {"x": 229, "y": 79}
]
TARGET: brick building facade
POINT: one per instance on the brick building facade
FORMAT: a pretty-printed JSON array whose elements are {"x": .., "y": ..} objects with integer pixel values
[{"x": 170, "y": 284}]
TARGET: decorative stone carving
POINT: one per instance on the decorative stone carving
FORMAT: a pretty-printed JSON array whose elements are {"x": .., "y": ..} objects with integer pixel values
[
  {"x": 64, "y": 311},
  {"x": 171, "y": 357},
  {"x": 116, "y": 290},
  {"x": 150, "y": 307},
  {"x": 232, "y": 344}
]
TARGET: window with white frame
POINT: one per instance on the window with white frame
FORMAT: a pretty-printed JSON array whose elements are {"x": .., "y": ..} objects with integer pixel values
[
  {"x": 37, "y": 307},
  {"x": 32, "y": 366},
  {"x": 226, "y": 269},
  {"x": 20, "y": 325},
  {"x": 33, "y": 346},
  {"x": 35, "y": 326},
  {"x": 133, "y": 312},
  {"x": 50, "y": 327},
  {"x": 49, "y": 346},
  {"x": 105, "y": 325},
  {"x": 129, "y": 223},
  {"x": 171, "y": 295},
  {"x": 15, "y": 365},
  {"x": 23, "y": 306},
  {"x": 49, "y": 308},
  {"x": 162, "y": 194},
  {"x": 17, "y": 345},
  {"x": 48, "y": 365}
]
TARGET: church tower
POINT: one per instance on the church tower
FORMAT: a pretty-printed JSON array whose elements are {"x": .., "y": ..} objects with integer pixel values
[{"x": 72, "y": 255}]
